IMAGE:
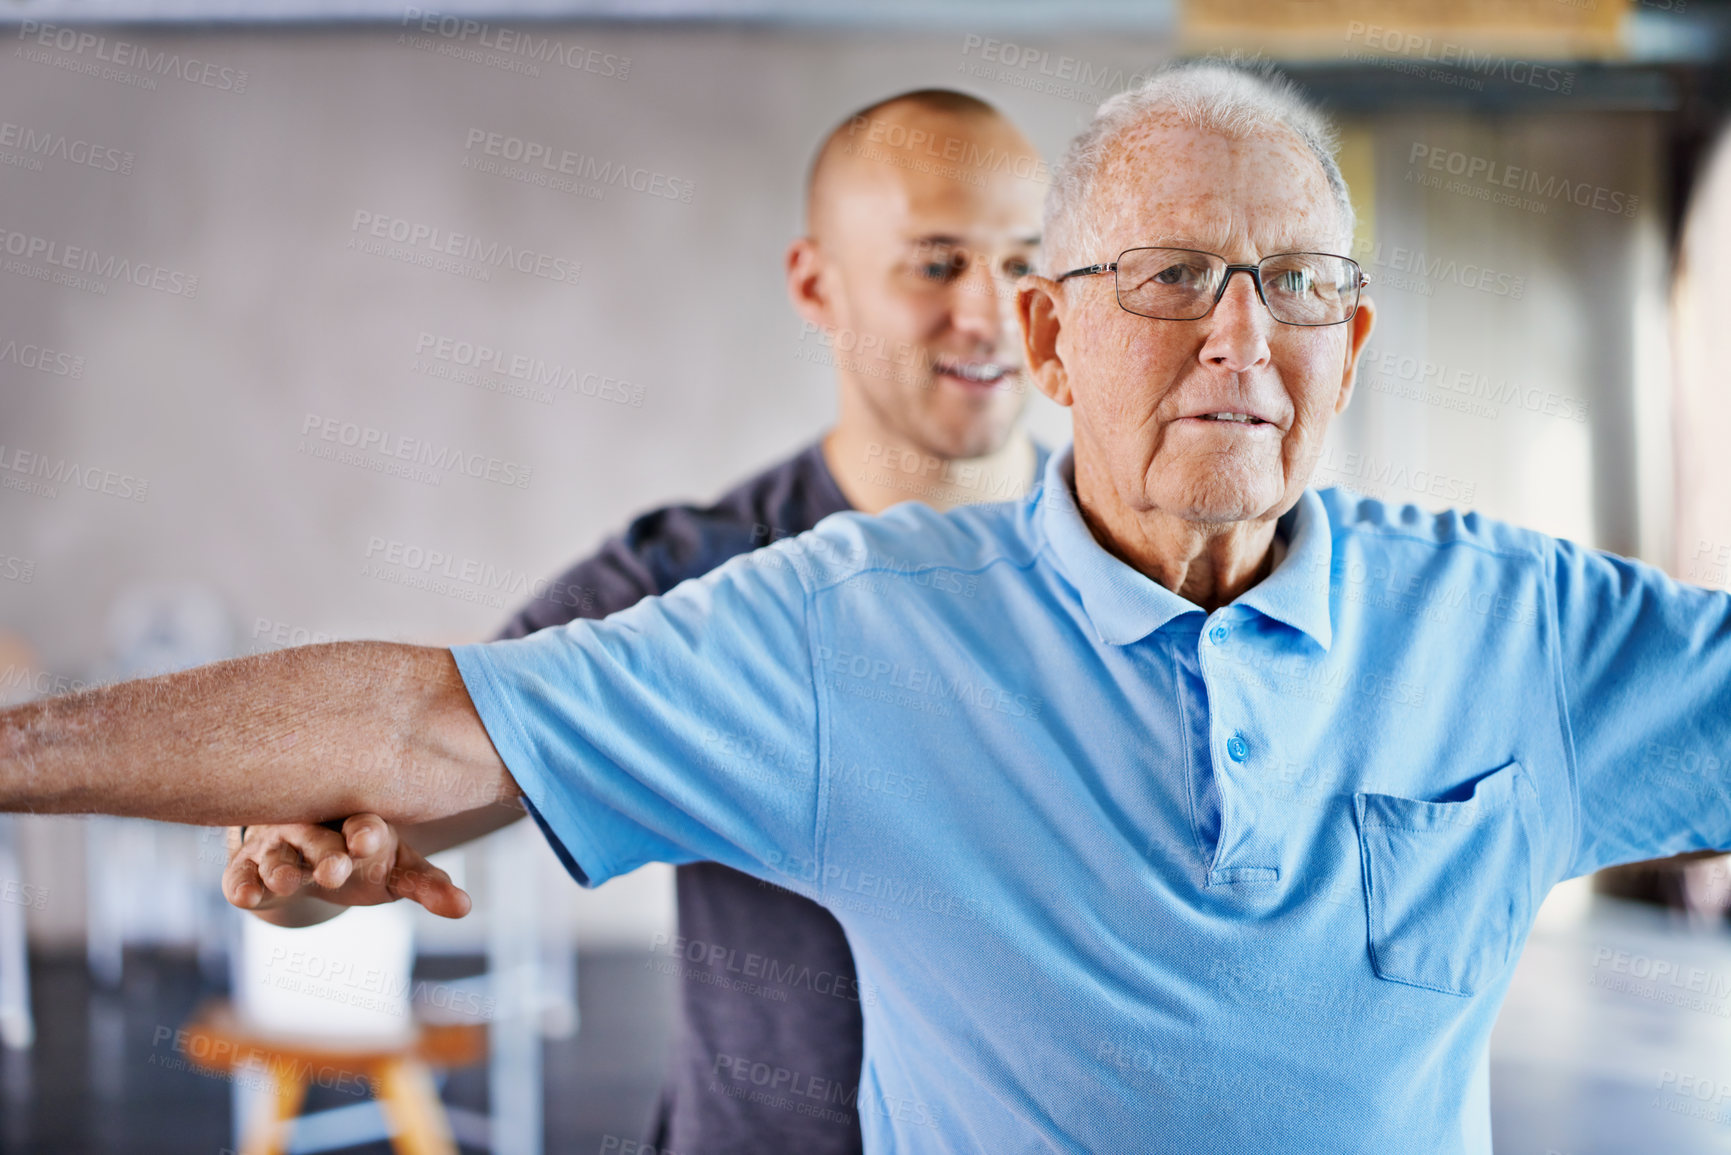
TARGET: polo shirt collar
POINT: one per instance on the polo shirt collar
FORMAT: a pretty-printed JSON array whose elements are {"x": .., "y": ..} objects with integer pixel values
[
  {"x": 1125, "y": 605},
  {"x": 1297, "y": 592}
]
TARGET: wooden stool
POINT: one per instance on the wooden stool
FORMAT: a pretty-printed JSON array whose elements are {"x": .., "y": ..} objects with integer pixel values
[{"x": 399, "y": 1073}]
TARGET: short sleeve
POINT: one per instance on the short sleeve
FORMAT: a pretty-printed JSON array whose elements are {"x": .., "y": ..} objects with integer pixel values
[
  {"x": 1645, "y": 666},
  {"x": 680, "y": 729}
]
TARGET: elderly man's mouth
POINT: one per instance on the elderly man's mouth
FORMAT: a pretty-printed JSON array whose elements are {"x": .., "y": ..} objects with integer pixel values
[{"x": 1229, "y": 417}]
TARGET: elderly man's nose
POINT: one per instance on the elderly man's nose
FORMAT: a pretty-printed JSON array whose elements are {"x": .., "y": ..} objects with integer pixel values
[{"x": 1238, "y": 328}]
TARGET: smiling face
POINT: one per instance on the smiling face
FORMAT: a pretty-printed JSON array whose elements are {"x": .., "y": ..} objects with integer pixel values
[
  {"x": 914, "y": 254},
  {"x": 1218, "y": 420}
]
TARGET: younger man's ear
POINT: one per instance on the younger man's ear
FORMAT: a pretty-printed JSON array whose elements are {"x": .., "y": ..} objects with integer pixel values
[{"x": 805, "y": 283}]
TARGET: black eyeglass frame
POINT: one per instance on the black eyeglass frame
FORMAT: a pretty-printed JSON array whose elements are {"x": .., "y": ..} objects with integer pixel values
[{"x": 1254, "y": 271}]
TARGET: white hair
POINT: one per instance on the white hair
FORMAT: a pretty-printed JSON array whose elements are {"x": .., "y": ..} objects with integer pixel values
[{"x": 1229, "y": 97}]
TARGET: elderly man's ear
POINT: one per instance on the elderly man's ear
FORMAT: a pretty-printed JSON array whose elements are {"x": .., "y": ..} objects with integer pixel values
[
  {"x": 1361, "y": 324},
  {"x": 1039, "y": 302}
]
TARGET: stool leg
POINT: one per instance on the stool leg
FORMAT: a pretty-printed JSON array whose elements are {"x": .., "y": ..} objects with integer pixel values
[
  {"x": 407, "y": 1093},
  {"x": 268, "y": 1133}
]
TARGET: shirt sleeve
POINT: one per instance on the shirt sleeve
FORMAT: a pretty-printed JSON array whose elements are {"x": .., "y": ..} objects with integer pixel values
[
  {"x": 1645, "y": 666},
  {"x": 681, "y": 729}
]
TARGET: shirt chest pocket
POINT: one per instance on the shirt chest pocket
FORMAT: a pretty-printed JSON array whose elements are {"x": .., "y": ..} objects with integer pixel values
[{"x": 1449, "y": 885}]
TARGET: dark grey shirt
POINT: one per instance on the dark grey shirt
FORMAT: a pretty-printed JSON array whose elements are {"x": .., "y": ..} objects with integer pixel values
[{"x": 766, "y": 975}]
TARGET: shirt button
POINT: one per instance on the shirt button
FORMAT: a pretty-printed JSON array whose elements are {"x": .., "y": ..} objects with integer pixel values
[
  {"x": 1217, "y": 635},
  {"x": 1236, "y": 749}
]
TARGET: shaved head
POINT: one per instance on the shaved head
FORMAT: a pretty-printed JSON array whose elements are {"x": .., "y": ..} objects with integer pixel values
[
  {"x": 922, "y": 211},
  {"x": 924, "y": 126}
]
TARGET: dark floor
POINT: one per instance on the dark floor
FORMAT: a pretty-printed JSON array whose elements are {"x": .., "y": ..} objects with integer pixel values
[{"x": 103, "y": 1077}]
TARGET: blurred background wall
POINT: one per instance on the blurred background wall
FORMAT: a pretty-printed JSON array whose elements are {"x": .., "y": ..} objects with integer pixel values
[
  {"x": 1518, "y": 365},
  {"x": 271, "y": 304}
]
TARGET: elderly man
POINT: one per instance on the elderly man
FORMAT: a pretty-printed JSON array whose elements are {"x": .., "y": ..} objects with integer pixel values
[
  {"x": 1180, "y": 807},
  {"x": 909, "y": 268}
]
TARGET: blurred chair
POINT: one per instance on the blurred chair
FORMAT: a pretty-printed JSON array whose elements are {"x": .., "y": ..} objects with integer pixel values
[
  {"x": 345, "y": 987},
  {"x": 17, "y": 1028},
  {"x": 399, "y": 1072},
  {"x": 333, "y": 1004}
]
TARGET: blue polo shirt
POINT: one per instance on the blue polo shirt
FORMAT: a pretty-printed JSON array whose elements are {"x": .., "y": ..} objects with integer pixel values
[{"x": 1120, "y": 874}]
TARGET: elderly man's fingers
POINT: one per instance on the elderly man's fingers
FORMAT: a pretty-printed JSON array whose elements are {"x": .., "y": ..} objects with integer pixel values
[
  {"x": 416, "y": 878},
  {"x": 323, "y": 851},
  {"x": 368, "y": 835},
  {"x": 241, "y": 884},
  {"x": 276, "y": 861},
  {"x": 283, "y": 869},
  {"x": 295, "y": 854}
]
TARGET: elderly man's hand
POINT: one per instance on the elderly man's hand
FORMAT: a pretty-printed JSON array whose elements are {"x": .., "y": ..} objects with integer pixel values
[{"x": 365, "y": 864}]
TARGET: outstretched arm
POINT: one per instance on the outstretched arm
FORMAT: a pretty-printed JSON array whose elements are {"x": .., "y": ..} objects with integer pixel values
[{"x": 300, "y": 735}]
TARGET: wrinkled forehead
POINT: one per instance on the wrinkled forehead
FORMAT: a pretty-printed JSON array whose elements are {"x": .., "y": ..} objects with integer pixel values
[{"x": 1239, "y": 196}]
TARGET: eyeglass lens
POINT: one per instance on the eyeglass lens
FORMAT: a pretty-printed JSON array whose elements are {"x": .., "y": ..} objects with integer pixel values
[{"x": 1180, "y": 285}]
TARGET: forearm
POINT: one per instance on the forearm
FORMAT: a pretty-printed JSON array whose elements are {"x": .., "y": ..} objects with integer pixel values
[{"x": 300, "y": 735}]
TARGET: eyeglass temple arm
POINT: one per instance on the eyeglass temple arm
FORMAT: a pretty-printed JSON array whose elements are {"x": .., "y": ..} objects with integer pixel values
[{"x": 1089, "y": 271}]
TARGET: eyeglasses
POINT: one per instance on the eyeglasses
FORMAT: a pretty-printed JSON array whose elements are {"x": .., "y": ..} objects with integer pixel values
[{"x": 1185, "y": 285}]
